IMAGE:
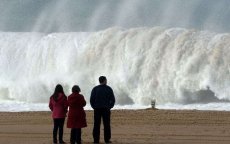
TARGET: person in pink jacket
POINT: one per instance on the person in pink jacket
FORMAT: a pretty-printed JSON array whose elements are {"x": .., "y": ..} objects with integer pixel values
[
  {"x": 59, "y": 106},
  {"x": 76, "y": 116}
]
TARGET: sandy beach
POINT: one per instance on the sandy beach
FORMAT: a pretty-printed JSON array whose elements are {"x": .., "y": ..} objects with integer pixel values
[{"x": 128, "y": 127}]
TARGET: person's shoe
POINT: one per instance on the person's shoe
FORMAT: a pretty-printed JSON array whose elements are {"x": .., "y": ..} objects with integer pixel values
[
  {"x": 62, "y": 142},
  {"x": 95, "y": 142},
  {"x": 108, "y": 142}
]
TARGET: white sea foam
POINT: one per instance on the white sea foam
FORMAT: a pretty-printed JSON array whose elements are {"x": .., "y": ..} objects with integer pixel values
[
  {"x": 12, "y": 106},
  {"x": 170, "y": 65}
]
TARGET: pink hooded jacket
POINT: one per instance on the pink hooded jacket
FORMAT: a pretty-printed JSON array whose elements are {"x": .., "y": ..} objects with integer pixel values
[{"x": 59, "y": 108}]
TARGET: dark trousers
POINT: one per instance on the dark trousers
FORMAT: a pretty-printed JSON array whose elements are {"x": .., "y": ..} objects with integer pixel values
[
  {"x": 58, "y": 126},
  {"x": 103, "y": 113},
  {"x": 75, "y": 136}
]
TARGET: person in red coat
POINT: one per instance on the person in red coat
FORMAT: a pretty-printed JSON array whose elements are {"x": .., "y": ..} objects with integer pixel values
[
  {"x": 76, "y": 116},
  {"x": 59, "y": 107}
]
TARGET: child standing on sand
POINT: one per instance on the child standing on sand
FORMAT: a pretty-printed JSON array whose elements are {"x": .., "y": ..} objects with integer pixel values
[
  {"x": 76, "y": 116},
  {"x": 58, "y": 105}
]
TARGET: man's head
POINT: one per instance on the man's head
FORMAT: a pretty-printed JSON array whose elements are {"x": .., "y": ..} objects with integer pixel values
[{"x": 102, "y": 80}]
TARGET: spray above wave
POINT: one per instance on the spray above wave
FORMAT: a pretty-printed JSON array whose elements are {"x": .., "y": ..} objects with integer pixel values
[
  {"x": 82, "y": 15},
  {"x": 169, "y": 65}
]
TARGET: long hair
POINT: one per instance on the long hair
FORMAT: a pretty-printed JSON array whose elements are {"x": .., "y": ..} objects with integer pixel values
[{"x": 58, "y": 89}]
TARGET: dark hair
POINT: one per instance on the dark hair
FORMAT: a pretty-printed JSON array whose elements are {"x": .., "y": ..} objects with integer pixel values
[
  {"x": 58, "y": 89},
  {"x": 102, "y": 79},
  {"x": 76, "y": 88}
]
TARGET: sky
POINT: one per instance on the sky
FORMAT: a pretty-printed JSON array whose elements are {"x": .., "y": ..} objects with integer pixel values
[{"x": 90, "y": 15}]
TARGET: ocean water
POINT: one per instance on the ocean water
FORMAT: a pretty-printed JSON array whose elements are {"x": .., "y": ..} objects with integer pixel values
[
  {"x": 179, "y": 68},
  {"x": 176, "y": 52}
]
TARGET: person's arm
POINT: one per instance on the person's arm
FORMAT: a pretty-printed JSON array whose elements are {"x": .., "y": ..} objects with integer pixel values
[
  {"x": 83, "y": 102},
  {"x": 112, "y": 98},
  {"x": 66, "y": 104},
  {"x": 92, "y": 98},
  {"x": 50, "y": 104}
]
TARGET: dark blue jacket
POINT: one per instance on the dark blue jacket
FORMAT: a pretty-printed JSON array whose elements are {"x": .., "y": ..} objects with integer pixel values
[{"x": 102, "y": 97}]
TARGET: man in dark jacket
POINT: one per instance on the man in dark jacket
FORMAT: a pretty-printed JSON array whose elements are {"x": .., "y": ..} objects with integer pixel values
[{"x": 102, "y": 100}]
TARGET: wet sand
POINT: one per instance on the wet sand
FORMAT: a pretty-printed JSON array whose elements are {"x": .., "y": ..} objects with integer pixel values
[{"x": 128, "y": 127}]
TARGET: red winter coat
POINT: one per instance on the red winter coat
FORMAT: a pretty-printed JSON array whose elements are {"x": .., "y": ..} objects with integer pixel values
[
  {"x": 59, "y": 107},
  {"x": 76, "y": 115}
]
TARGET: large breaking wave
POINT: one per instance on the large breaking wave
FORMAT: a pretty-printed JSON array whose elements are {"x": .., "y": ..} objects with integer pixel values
[{"x": 170, "y": 65}]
